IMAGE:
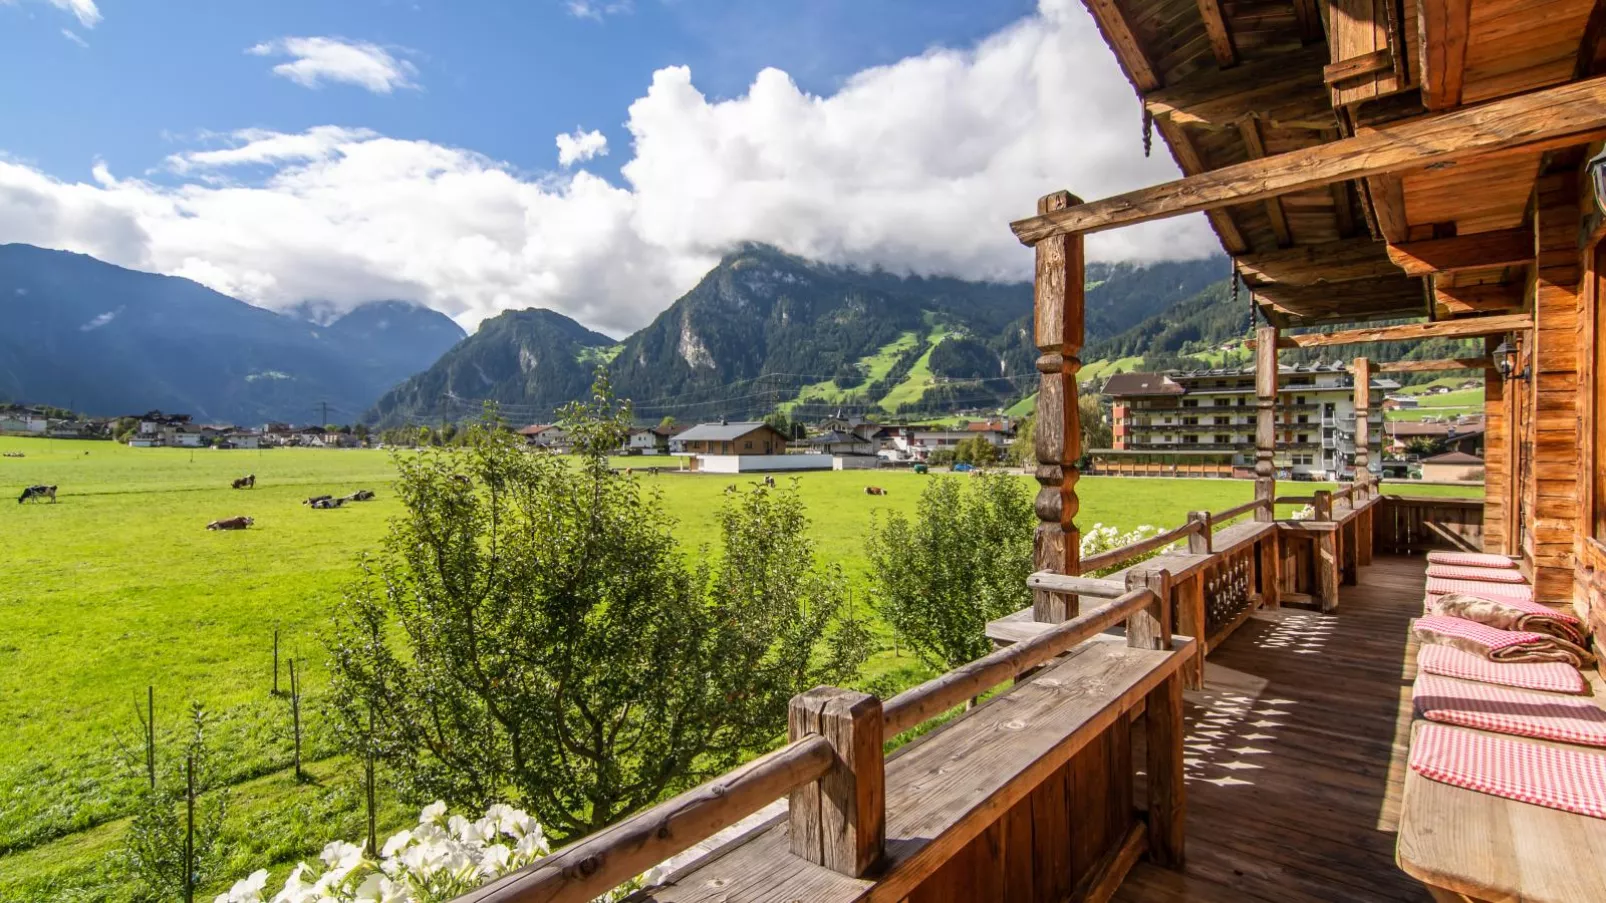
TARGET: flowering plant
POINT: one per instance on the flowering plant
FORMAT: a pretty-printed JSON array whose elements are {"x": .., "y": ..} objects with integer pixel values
[
  {"x": 439, "y": 859},
  {"x": 1102, "y": 539}
]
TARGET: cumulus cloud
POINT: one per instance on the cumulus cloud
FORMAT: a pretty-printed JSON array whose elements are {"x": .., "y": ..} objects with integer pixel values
[
  {"x": 917, "y": 166},
  {"x": 85, "y": 10},
  {"x": 597, "y": 9},
  {"x": 74, "y": 37},
  {"x": 581, "y": 146},
  {"x": 317, "y": 60}
]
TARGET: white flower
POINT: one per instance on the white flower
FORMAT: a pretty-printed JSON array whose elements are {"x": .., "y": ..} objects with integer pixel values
[
  {"x": 379, "y": 889},
  {"x": 532, "y": 845},
  {"x": 494, "y": 860},
  {"x": 396, "y": 843},
  {"x": 246, "y": 890},
  {"x": 432, "y": 813}
]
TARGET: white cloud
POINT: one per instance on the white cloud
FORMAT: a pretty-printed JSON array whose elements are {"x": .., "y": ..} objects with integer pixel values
[
  {"x": 581, "y": 146},
  {"x": 916, "y": 166},
  {"x": 318, "y": 60},
  {"x": 88, "y": 14},
  {"x": 597, "y": 9},
  {"x": 74, "y": 37}
]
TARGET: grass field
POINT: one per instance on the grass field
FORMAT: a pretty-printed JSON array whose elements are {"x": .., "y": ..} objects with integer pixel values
[{"x": 119, "y": 586}]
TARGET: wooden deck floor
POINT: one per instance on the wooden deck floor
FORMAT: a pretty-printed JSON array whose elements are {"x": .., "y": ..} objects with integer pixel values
[{"x": 1297, "y": 751}]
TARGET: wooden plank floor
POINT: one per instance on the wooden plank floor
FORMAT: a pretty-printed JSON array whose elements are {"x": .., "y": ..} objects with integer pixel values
[{"x": 1297, "y": 752}]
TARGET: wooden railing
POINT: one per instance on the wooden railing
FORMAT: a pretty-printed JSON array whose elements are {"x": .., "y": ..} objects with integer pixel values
[
  {"x": 845, "y": 796},
  {"x": 1409, "y": 524}
]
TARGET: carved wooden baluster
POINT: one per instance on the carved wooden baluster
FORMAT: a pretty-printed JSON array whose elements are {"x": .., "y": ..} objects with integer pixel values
[
  {"x": 1058, "y": 336},
  {"x": 1265, "y": 423}
]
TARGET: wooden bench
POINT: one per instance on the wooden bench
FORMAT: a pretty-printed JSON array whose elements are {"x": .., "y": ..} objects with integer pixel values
[
  {"x": 1021, "y": 786},
  {"x": 1470, "y": 846}
]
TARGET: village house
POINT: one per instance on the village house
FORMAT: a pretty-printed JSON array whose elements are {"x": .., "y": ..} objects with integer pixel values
[
  {"x": 22, "y": 421},
  {"x": 1452, "y": 467},
  {"x": 546, "y": 435},
  {"x": 837, "y": 442},
  {"x": 740, "y": 438},
  {"x": 1462, "y": 435}
]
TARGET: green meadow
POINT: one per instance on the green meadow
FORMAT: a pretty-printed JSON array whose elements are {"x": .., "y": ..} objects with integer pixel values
[{"x": 119, "y": 586}]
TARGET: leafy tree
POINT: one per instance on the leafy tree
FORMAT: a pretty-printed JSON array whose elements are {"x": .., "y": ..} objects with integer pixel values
[
  {"x": 940, "y": 457},
  {"x": 153, "y": 846},
  {"x": 1022, "y": 450},
  {"x": 667, "y": 423},
  {"x": 531, "y": 630},
  {"x": 1422, "y": 446},
  {"x": 1096, "y": 431},
  {"x": 976, "y": 450},
  {"x": 961, "y": 562}
]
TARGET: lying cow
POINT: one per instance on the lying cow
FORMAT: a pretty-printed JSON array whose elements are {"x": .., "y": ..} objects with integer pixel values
[
  {"x": 328, "y": 503},
  {"x": 232, "y": 523},
  {"x": 874, "y": 490},
  {"x": 249, "y": 481},
  {"x": 37, "y": 493},
  {"x": 316, "y": 499},
  {"x": 361, "y": 495}
]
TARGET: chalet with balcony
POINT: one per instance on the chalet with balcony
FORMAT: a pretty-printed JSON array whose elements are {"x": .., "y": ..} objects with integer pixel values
[{"x": 1251, "y": 706}]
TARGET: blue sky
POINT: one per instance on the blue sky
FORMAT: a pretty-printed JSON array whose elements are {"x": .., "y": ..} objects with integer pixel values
[
  {"x": 350, "y": 151},
  {"x": 499, "y": 76}
]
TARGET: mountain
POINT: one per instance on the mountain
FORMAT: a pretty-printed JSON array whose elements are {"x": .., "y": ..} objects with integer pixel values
[
  {"x": 85, "y": 334},
  {"x": 766, "y": 330},
  {"x": 530, "y": 362}
]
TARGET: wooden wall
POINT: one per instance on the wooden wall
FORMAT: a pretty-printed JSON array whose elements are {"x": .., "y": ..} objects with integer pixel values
[
  {"x": 1551, "y": 495},
  {"x": 1497, "y": 460},
  {"x": 1054, "y": 839}
]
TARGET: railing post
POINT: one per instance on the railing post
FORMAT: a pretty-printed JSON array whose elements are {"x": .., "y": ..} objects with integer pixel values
[
  {"x": 1323, "y": 505},
  {"x": 1150, "y": 628},
  {"x": 1271, "y": 563},
  {"x": 1265, "y": 421},
  {"x": 839, "y": 821},
  {"x": 1058, "y": 334},
  {"x": 1168, "y": 802},
  {"x": 1199, "y": 543}
]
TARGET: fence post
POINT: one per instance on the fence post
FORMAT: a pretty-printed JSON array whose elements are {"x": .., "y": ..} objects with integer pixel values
[
  {"x": 1323, "y": 505},
  {"x": 1163, "y": 735},
  {"x": 1150, "y": 628},
  {"x": 839, "y": 821},
  {"x": 1200, "y": 542}
]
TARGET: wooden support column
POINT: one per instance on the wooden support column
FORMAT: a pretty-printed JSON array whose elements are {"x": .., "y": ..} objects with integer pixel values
[
  {"x": 1150, "y": 628},
  {"x": 839, "y": 821},
  {"x": 1554, "y": 381},
  {"x": 1497, "y": 463},
  {"x": 1327, "y": 568},
  {"x": 1168, "y": 805},
  {"x": 1058, "y": 336},
  {"x": 1271, "y": 570},
  {"x": 1363, "y": 460},
  {"x": 1265, "y": 423}
]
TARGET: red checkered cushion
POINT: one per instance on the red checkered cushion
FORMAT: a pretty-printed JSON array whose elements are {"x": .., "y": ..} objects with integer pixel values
[
  {"x": 1507, "y": 711},
  {"x": 1553, "y": 677},
  {"x": 1482, "y": 634},
  {"x": 1438, "y": 586},
  {"x": 1555, "y": 777},
  {"x": 1488, "y": 575},
  {"x": 1471, "y": 559}
]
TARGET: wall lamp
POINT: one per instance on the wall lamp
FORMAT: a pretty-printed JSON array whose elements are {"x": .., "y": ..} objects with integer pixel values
[{"x": 1505, "y": 360}]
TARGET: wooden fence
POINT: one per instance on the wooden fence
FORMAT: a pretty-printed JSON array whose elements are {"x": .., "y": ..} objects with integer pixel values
[{"x": 1411, "y": 524}]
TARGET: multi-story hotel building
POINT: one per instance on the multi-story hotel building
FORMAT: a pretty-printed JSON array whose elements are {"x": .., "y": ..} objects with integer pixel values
[{"x": 1202, "y": 423}]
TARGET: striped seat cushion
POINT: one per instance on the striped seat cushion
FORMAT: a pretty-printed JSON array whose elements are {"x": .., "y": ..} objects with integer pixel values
[
  {"x": 1503, "y": 710},
  {"x": 1552, "y": 677},
  {"x": 1486, "y": 575},
  {"x": 1554, "y": 777},
  {"x": 1471, "y": 559},
  {"x": 1438, "y": 586}
]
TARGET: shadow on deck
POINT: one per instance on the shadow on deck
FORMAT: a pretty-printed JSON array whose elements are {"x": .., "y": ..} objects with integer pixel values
[{"x": 1296, "y": 753}]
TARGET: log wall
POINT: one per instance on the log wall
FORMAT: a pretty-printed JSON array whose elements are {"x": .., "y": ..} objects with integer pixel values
[{"x": 1552, "y": 494}]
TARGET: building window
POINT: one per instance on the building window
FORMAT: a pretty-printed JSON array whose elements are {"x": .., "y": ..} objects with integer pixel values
[
  {"x": 1223, "y": 440},
  {"x": 1241, "y": 401},
  {"x": 1190, "y": 421},
  {"x": 1299, "y": 399},
  {"x": 1223, "y": 402},
  {"x": 1302, "y": 418},
  {"x": 1190, "y": 440},
  {"x": 1304, "y": 438},
  {"x": 1190, "y": 402}
]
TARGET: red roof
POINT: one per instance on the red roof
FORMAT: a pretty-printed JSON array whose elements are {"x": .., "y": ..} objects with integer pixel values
[
  {"x": 987, "y": 426},
  {"x": 535, "y": 429}
]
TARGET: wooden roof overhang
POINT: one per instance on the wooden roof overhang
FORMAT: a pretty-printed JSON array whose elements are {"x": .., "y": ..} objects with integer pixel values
[{"x": 1359, "y": 159}]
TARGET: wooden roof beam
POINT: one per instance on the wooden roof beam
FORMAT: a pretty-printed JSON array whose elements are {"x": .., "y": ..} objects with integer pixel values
[
  {"x": 1453, "y": 363},
  {"x": 1285, "y": 90},
  {"x": 1119, "y": 35},
  {"x": 1387, "y": 196},
  {"x": 1328, "y": 262},
  {"x": 1256, "y": 148},
  {"x": 1215, "y": 24},
  {"x": 1392, "y": 292},
  {"x": 1442, "y": 329},
  {"x": 1466, "y": 300},
  {"x": 1443, "y": 26},
  {"x": 1189, "y": 161},
  {"x": 1562, "y": 116},
  {"x": 1507, "y": 247}
]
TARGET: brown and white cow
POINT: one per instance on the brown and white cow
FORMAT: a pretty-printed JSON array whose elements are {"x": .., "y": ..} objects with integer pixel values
[
  {"x": 38, "y": 493},
  {"x": 232, "y": 523}
]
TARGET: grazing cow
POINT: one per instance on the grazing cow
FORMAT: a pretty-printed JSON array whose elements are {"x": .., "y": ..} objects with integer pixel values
[
  {"x": 232, "y": 523},
  {"x": 653, "y": 471},
  {"x": 874, "y": 490},
  {"x": 361, "y": 495},
  {"x": 328, "y": 503},
  {"x": 770, "y": 482},
  {"x": 37, "y": 493},
  {"x": 316, "y": 499},
  {"x": 731, "y": 489},
  {"x": 249, "y": 481}
]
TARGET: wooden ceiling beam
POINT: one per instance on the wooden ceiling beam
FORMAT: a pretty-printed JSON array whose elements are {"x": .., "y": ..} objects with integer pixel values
[
  {"x": 1249, "y": 129},
  {"x": 1387, "y": 193},
  {"x": 1309, "y": 17},
  {"x": 1343, "y": 213},
  {"x": 1341, "y": 261},
  {"x": 1453, "y": 363},
  {"x": 1442, "y": 29},
  {"x": 1392, "y": 292},
  {"x": 1563, "y": 116},
  {"x": 1406, "y": 332},
  {"x": 1119, "y": 35},
  {"x": 1215, "y": 24},
  {"x": 1506, "y": 247},
  {"x": 1467, "y": 300},
  {"x": 1285, "y": 90}
]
